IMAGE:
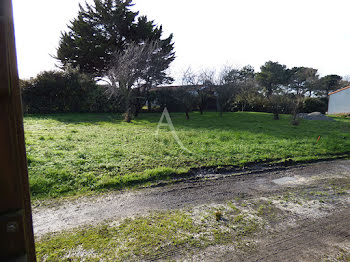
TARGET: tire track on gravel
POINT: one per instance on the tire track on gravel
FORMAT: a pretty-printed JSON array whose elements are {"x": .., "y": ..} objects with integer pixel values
[{"x": 92, "y": 210}]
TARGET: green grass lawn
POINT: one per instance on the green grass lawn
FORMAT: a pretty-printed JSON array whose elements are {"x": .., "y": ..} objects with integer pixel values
[{"x": 79, "y": 153}]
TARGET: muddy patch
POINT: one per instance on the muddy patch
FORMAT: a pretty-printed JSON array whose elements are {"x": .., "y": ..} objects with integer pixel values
[
  {"x": 285, "y": 180},
  {"x": 63, "y": 215},
  {"x": 299, "y": 214}
]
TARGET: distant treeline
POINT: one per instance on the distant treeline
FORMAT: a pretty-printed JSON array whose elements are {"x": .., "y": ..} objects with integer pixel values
[
  {"x": 109, "y": 41},
  {"x": 274, "y": 89}
]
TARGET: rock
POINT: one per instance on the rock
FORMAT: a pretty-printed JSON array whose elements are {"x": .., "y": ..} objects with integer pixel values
[{"x": 315, "y": 116}]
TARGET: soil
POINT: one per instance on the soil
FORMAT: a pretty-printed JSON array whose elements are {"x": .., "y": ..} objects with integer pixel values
[{"x": 312, "y": 229}]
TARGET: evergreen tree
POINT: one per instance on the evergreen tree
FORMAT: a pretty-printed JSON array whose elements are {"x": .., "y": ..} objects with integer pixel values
[
  {"x": 303, "y": 80},
  {"x": 272, "y": 77},
  {"x": 328, "y": 84},
  {"x": 107, "y": 27}
]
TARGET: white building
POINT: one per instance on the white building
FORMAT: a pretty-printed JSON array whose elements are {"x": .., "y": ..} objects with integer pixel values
[{"x": 339, "y": 101}]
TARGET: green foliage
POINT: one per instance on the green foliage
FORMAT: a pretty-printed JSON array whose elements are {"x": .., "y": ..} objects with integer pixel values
[
  {"x": 106, "y": 27},
  {"x": 329, "y": 83},
  {"x": 311, "y": 104},
  {"x": 179, "y": 99},
  {"x": 56, "y": 91},
  {"x": 271, "y": 76},
  {"x": 108, "y": 40},
  {"x": 77, "y": 153},
  {"x": 65, "y": 92},
  {"x": 303, "y": 80},
  {"x": 186, "y": 98},
  {"x": 234, "y": 85}
]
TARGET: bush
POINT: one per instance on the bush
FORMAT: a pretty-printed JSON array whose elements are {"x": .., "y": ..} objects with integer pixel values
[
  {"x": 65, "y": 92},
  {"x": 166, "y": 97},
  {"x": 311, "y": 104}
]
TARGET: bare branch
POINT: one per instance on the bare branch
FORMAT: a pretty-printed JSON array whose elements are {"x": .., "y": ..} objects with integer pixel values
[{"x": 128, "y": 69}]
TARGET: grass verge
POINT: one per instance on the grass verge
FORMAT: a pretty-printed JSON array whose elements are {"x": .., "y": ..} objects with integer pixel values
[
  {"x": 161, "y": 235},
  {"x": 79, "y": 153}
]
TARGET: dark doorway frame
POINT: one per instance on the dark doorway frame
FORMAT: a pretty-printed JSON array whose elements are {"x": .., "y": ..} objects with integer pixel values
[{"x": 16, "y": 229}]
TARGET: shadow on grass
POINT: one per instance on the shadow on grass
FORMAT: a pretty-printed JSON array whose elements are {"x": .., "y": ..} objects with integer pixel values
[{"x": 80, "y": 118}]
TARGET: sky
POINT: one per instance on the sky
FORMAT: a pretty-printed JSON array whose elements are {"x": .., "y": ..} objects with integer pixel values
[{"x": 208, "y": 34}]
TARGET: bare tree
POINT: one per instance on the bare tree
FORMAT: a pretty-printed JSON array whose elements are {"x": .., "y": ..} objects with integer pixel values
[
  {"x": 201, "y": 83},
  {"x": 189, "y": 77},
  {"x": 127, "y": 71},
  {"x": 247, "y": 93},
  {"x": 206, "y": 78},
  {"x": 226, "y": 88},
  {"x": 186, "y": 97}
]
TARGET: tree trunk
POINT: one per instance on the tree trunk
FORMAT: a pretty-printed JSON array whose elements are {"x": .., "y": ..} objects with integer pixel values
[
  {"x": 201, "y": 110},
  {"x": 148, "y": 87},
  {"x": 295, "y": 116},
  {"x": 137, "y": 103},
  {"x": 295, "y": 120},
  {"x": 128, "y": 110},
  {"x": 274, "y": 108},
  {"x": 138, "y": 107},
  {"x": 128, "y": 116},
  {"x": 275, "y": 112},
  {"x": 187, "y": 115},
  {"x": 149, "y": 105},
  {"x": 219, "y": 107}
]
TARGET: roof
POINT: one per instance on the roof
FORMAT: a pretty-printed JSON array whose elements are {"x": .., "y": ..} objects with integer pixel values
[
  {"x": 189, "y": 87},
  {"x": 179, "y": 86},
  {"x": 339, "y": 90}
]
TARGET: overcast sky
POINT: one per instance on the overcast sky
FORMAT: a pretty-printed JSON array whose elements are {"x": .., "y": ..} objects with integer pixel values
[{"x": 209, "y": 34}]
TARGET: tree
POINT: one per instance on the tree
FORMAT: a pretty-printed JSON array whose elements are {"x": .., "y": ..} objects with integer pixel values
[
  {"x": 128, "y": 70},
  {"x": 206, "y": 79},
  {"x": 247, "y": 86},
  {"x": 226, "y": 88},
  {"x": 185, "y": 95},
  {"x": 329, "y": 83},
  {"x": 201, "y": 84},
  {"x": 248, "y": 92},
  {"x": 272, "y": 77},
  {"x": 108, "y": 27},
  {"x": 247, "y": 73},
  {"x": 302, "y": 80}
]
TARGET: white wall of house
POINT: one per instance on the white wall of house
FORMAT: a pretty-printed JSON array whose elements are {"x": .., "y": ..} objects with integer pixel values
[{"x": 339, "y": 102}]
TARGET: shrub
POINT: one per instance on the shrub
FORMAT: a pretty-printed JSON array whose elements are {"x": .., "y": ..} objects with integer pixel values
[
  {"x": 311, "y": 104},
  {"x": 65, "y": 92}
]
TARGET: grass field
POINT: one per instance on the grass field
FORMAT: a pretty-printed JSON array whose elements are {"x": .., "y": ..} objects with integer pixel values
[{"x": 79, "y": 153}]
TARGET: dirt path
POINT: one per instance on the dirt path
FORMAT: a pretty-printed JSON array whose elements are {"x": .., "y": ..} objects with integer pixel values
[
  {"x": 215, "y": 189},
  {"x": 302, "y": 243},
  {"x": 321, "y": 239}
]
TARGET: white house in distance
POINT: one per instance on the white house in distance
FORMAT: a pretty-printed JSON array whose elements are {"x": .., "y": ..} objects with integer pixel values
[{"x": 339, "y": 101}]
